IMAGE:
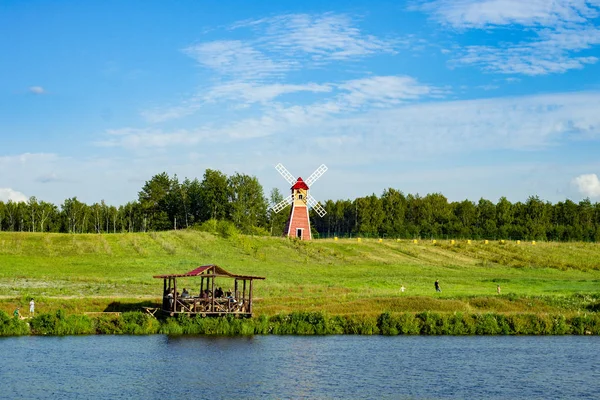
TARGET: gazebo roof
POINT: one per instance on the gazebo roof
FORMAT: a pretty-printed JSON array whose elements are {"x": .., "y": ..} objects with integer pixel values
[{"x": 206, "y": 270}]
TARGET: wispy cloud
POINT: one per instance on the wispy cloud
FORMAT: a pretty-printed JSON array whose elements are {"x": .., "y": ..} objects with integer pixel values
[
  {"x": 37, "y": 90},
  {"x": 400, "y": 129},
  {"x": 558, "y": 30},
  {"x": 588, "y": 185},
  {"x": 249, "y": 92},
  {"x": 47, "y": 178},
  {"x": 257, "y": 69},
  {"x": 321, "y": 37},
  {"x": 551, "y": 52},
  {"x": 384, "y": 91},
  {"x": 135, "y": 138},
  {"x": 238, "y": 59},
  {"x": 490, "y": 13}
]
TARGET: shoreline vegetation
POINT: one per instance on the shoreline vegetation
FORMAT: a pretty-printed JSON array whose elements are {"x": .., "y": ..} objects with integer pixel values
[
  {"x": 98, "y": 284},
  {"x": 298, "y": 323}
]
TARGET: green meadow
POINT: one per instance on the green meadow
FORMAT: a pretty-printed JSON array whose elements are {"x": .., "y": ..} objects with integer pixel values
[{"x": 87, "y": 273}]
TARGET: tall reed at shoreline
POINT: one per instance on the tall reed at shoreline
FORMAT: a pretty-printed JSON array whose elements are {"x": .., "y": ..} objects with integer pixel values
[{"x": 306, "y": 323}]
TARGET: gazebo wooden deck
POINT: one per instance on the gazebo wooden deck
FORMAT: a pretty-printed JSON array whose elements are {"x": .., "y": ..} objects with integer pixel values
[{"x": 208, "y": 299}]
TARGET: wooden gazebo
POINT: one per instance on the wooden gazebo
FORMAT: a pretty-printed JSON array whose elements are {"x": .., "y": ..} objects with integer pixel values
[{"x": 209, "y": 298}]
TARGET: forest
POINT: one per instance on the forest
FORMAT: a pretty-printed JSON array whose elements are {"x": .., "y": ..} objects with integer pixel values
[{"x": 165, "y": 203}]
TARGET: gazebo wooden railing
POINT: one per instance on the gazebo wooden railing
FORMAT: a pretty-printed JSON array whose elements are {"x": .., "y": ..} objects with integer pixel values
[{"x": 208, "y": 299}]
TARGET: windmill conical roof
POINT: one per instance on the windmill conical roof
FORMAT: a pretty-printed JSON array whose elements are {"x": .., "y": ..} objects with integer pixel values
[{"x": 300, "y": 184}]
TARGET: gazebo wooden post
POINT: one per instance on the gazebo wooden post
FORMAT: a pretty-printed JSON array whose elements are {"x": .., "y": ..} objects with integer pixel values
[
  {"x": 165, "y": 299},
  {"x": 235, "y": 291},
  {"x": 174, "y": 294},
  {"x": 250, "y": 298},
  {"x": 212, "y": 297},
  {"x": 244, "y": 296}
]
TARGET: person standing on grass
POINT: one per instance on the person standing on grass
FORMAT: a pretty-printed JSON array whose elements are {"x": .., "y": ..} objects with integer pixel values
[
  {"x": 402, "y": 288},
  {"x": 16, "y": 313},
  {"x": 31, "y": 307},
  {"x": 498, "y": 289},
  {"x": 437, "y": 286}
]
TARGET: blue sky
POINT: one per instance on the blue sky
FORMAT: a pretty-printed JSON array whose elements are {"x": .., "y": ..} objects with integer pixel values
[{"x": 468, "y": 98}]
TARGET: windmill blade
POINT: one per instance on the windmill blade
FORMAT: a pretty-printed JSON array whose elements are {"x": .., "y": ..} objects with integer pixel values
[
  {"x": 316, "y": 175},
  {"x": 315, "y": 205},
  {"x": 283, "y": 204},
  {"x": 286, "y": 174}
]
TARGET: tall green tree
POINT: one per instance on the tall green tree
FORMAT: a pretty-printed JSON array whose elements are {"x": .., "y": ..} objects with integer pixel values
[
  {"x": 193, "y": 191},
  {"x": 370, "y": 215},
  {"x": 393, "y": 204},
  {"x": 2, "y": 212},
  {"x": 153, "y": 200},
  {"x": 215, "y": 195},
  {"x": 73, "y": 212},
  {"x": 247, "y": 202},
  {"x": 277, "y": 221},
  {"x": 486, "y": 219},
  {"x": 504, "y": 217}
]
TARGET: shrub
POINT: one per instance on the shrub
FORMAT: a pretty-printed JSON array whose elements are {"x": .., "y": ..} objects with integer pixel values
[
  {"x": 431, "y": 323},
  {"x": 108, "y": 325},
  {"x": 586, "y": 324},
  {"x": 12, "y": 326},
  {"x": 209, "y": 226},
  {"x": 487, "y": 324},
  {"x": 170, "y": 327},
  {"x": 227, "y": 229},
  {"x": 353, "y": 325},
  {"x": 408, "y": 324},
  {"x": 460, "y": 324},
  {"x": 59, "y": 324},
  {"x": 386, "y": 324},
  {"x": 560, "y": 325},
  {"x": 139, "y": 323}
]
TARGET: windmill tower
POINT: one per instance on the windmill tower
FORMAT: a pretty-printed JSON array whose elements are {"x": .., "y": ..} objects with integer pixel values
[{"x": 298, "y": 224}]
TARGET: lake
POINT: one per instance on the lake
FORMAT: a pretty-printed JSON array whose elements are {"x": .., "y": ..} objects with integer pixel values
[{"x": 349, "y": 367}]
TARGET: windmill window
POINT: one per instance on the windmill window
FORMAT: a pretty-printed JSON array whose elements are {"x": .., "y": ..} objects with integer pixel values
[
  {"x": 299, "y": 233},
  {"x": 300, "y": 196}
]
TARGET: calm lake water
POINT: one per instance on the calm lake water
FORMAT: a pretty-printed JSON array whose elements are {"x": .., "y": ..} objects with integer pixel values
[{"x": 348, "y": 367}]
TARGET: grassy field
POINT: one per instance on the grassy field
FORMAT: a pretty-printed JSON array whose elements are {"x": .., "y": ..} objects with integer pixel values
[{"x": 86, "y": 273}]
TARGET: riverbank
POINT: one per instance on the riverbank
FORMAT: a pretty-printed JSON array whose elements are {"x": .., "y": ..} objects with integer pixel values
[
  {"x": 81, "y": 273},
  {"x": 425, "y": 323}
]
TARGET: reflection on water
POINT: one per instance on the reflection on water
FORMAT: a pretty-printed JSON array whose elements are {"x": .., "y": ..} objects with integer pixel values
[{"x": 125, "y": 367}]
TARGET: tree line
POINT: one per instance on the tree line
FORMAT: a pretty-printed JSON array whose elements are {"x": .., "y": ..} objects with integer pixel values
[{"x": 166, "y": 203}]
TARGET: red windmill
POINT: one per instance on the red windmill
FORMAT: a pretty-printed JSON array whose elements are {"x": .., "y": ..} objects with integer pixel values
[{"x": 298, "y": 224}]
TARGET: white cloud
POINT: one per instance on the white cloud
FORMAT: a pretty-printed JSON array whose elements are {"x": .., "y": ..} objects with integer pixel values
[
  {"x": 380, "y": 91},
  {"x": 486, "y": 13},
  {"x": 236, "y": 58},
  {"x": 255, "y": 70},
  {"x": 25, "y": 158},
  {"x": 588, "y": 185},
  {"x": 488, "y": 87},
  {"x": 391, "y": 128},
  {"x": 248, "y": 92},
  {"x": 551, "y": 52},
  {"x": 7, "y": 194},
  {"x": 37, "y": 90},
  {"x": 165, "y": 114},
  {"x": 134, "y": 138},
  {"x": 323, "y": 37},
  {"x": 554, "y": 30}
]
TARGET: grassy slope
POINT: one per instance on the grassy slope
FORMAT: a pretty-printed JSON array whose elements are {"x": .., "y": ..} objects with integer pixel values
[{"x": 88, "y": 272}]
